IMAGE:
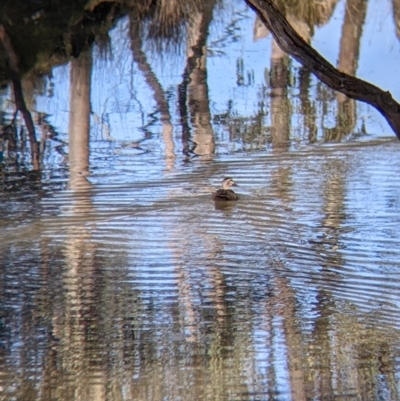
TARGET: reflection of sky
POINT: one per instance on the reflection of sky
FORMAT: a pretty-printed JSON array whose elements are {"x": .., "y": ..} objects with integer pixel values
[
  {"x": 268, "y": 233},
  {"x": 379, "y": 52},
  {"x": 122, "y": 100},
  {"x": 380, "y": 48}
]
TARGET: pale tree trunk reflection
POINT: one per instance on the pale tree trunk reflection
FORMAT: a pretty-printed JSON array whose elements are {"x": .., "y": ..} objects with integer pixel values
[
  {"x": 199, "y": 102},
  {"x": 355, "y": 88},
  {"x": 328, "y": 249},
  {"x": 281, "y": 307},
  {"x": 348, "y": 62},
  {"x": 79, "y": 120},
  {"x": 284, "y": 296},
  {"x": 308, "y": 109},
  {"x": 396, "y": 16},
  {"x": 140, "y": 58},
  {"x": 194, "y": 84},
  {"x": 79, "y": 316},
  {"x": 280, "y": 104}
]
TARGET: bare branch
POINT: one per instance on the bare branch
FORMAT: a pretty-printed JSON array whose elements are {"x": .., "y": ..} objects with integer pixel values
[
  {"x": 355, "y": 88},
  {"x": 14, "y": 73}
]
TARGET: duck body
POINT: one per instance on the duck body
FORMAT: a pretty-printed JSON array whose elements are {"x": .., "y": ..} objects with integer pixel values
[{"x": 225, "y": 193}]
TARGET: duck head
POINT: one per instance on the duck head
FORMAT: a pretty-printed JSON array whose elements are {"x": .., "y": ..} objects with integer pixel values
[{"x": 228, "y": 182}]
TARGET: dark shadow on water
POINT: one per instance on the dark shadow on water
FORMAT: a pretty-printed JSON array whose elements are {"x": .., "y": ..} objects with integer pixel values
[{"x": 225, "y": 205}]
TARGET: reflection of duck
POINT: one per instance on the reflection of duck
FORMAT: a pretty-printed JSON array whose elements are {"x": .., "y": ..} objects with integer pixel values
[{"x": 225, "y": 193}]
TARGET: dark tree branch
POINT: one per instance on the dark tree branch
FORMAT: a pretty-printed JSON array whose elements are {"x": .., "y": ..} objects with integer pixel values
[
  {"x": 12, "y": 60},
  {"x": 355, "y": 88}
]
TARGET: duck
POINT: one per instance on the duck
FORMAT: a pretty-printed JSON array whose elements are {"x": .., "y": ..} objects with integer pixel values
[{"x": 225, "y": 193}]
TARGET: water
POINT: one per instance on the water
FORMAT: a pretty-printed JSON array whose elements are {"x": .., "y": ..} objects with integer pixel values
[
  {"x": 121, "y": 279},
  {"x": 149, "y": 291}
]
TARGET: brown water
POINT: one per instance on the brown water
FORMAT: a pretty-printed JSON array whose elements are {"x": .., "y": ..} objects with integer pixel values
[{"x": 147, "y": 291}]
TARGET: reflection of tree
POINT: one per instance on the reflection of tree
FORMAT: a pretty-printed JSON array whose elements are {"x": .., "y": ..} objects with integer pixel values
[
  {"x": 79, "y": 121},
  {"x": 308, "y": 109},
  {"x": 37, "y": 36},
  {"x": 159, "y": 96},
  {"x": 302, "y": 15},
  {"x": 193, "y": 90},
  {"x": 15, "y": 75},
  {"x": 396, "y": 15},
  {"x": 280, "y": 104},
  {"x": 79, "y": 314},
  {"x": 283, "y": 304},
  {"x": 321, "y": 351},
  {"x": 348, "y": 61},
  {"x": 102, "y": 337},
  {"x": 334, "y": 212},
  {"x": 311, "y": 12},
  {"x": 353, "y": 87},
  {"x": 100, "y": 330},
  {"x": 327, "y": 248}
]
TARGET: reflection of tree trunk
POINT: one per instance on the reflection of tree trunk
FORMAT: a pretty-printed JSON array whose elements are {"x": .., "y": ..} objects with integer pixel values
[
  {"x": 334, "y": 195},
  {"x": 183, "y": 112},
  {"x": 280, "y": 127},
  {"x": 307, "y": 109},
  {"x": 197, "y": 89},
  {"x": 260, "y": 31},
  {"x": 187, "y": 308},
  {"x": 195, "y": 84},
  {"x": 396, "y": 16},
  {"x": 321, "y": 353},
  {"x": 79, "y": 327},
  {"x": 348, "y": 61},
  {"x": 159, "y": 96},
  {"x": 12, "y": 59},
  {"x": 79, "y": 121},
  {"x": 333, "y": 208},
  {"x": 351, "y": 35},
  {"x": 355, "y": 88},
  {"x": 286, "y": 302},
  {"x": 77, "y": 324}
]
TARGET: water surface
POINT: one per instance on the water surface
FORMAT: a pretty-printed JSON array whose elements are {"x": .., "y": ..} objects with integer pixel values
[
  {"x": 121, "y": 279},
  {"x": 150, "y": 291}
]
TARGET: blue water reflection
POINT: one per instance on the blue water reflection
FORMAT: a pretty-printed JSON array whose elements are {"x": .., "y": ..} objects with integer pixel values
[{"x": 121, "y": 279}]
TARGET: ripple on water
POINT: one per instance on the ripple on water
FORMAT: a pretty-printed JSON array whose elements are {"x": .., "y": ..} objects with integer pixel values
[{"x": 149, "y": 280}]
